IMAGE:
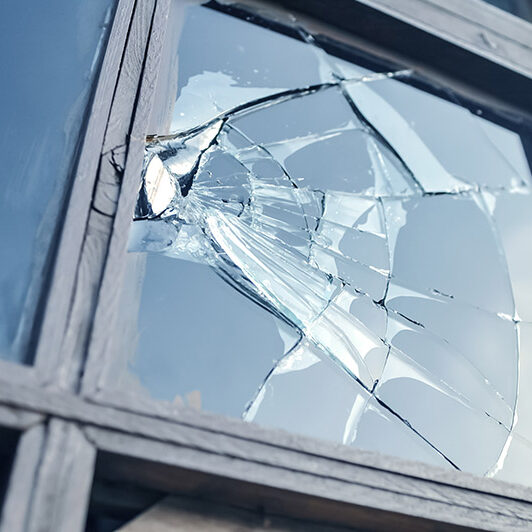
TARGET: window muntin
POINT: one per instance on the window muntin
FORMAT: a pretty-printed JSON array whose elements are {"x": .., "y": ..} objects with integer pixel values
[
  {"x": 377, "y": 355},
  {"x": 50, "y": 56}
]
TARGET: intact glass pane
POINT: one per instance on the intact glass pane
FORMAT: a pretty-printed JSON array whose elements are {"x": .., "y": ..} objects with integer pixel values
[
  {"x": 49, "y": 55},
  {"x": 8, "y": 447},
  {"x": 334, "y": 249},
  {"x": 521, "y": 8}
]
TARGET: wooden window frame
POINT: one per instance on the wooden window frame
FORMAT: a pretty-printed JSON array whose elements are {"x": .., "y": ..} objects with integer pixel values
[{"x": 69, "y": 421}]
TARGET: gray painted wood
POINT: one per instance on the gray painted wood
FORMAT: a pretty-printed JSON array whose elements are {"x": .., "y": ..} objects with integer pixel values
[
  {"x": 474, "y": 25},
  {"x": 63, "y": 481},
  {"x": 309, "y": 477},
  {"x": 218, "y": 434},
  {"x": 48, "y": 355},
  {"x": 248, "y": 431},
  {"x": 490, "y": 17},
  {"x": 102, "y": 341},
  {"x": 465, "y": 51},
  {"x": 14, "y": 372},
  {"x": 291, "y": 493},
  {"x": 341, "y": 475},
  {"x": 478, "y": 91},
  {"x": 118, "y": 148},
  {"x": 14, "y": 418}
]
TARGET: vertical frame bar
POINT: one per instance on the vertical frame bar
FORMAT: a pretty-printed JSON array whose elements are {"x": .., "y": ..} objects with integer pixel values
[
  {"x": 22, "y": 479},
  {"x": 48, "y": 357},
  {"x": 63, "y": 480},
  {"x": 109, "y": 292}
]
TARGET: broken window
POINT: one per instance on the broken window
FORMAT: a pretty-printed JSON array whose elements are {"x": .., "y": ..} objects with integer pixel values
[
  {"x": 49, "y": 54},
  {"x": 332, "y": 249}
]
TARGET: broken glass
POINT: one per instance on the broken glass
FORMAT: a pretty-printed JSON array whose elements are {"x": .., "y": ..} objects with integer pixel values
[
  {"x": 50, "y": 54},
  {"x": 335, "y": 252}
]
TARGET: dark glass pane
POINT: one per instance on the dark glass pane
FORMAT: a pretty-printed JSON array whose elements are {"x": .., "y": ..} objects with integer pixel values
[
  {"x": 521, "y": 8},
  {"x": 122, "y": 500},
  {"x": 346, "y": 256},
  {"x": 49, "y": 54},
  {"x": 8, "y": 446},
  {"x": 115, "y": 501}
]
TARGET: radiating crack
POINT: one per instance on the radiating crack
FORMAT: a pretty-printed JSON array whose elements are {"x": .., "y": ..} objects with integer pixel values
[{"x": 353, "y": 227}]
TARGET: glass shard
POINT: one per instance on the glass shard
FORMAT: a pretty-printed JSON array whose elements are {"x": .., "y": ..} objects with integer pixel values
[
  {"x": 432, "y": 408},
  {"x": 377, "y": 426},
  {"x": 304, "y": 380}
]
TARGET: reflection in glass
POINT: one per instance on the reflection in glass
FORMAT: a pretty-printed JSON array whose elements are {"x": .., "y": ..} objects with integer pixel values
[
  {"x": 353, "y": 245},
  {"x": 521, "y": 8},
  {"x": 8, "y": 447},
  {"x": 49, "y": 55}
]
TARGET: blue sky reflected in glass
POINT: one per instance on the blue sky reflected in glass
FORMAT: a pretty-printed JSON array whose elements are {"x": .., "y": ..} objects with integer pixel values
[{"x": 49, "y": 55}]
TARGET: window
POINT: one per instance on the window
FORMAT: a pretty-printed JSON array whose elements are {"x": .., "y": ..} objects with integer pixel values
[
  {"x": 243, "y": 184},
  {"x": 333, "y": 250}
]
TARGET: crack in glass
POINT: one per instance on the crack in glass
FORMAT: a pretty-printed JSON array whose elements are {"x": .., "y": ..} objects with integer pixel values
[{"x": 384, "y": 226}]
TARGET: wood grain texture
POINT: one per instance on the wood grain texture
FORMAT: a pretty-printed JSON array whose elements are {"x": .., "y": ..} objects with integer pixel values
[
  {"x": 297, "y": 496},
  {"x": 63, "y": 481},
  {"x": 101, "y": 349},
  {"x": 493, "y": 34},
  {"x": 119, "y": 149},
  {"x": 436, "y": 39},
  {"x": 489, "y": 16},
  {"x": 249, "y": 431},
  {"x": 311, "y": 477},
  {"x": 282, "y": 461},
  {"x": 204, "y": 427},
  {"x": 15, "y": 418},
  {"x": 59, "y": 299}
]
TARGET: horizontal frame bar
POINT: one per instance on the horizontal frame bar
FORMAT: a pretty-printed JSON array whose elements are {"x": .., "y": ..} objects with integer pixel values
[
  {"x": 467, "y": 42},
  {"x": 210, "y": 445}
]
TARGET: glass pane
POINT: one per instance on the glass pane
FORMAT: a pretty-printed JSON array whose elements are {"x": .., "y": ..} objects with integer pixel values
[
  {"x": 346, "y": 257},
  {"x": 521, "y": 8},
  {"x": 49, "y": 55},
  {"x": 8, "y": 446}
]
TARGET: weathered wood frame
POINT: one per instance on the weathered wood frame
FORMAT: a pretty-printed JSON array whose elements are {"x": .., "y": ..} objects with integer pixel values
[{"x": 69, "y": 420}]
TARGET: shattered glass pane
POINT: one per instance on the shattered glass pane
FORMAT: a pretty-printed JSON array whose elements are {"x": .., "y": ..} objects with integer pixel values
[
  {"x": 335, "y": 252},
  {"x": 50, "y": 54}
]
